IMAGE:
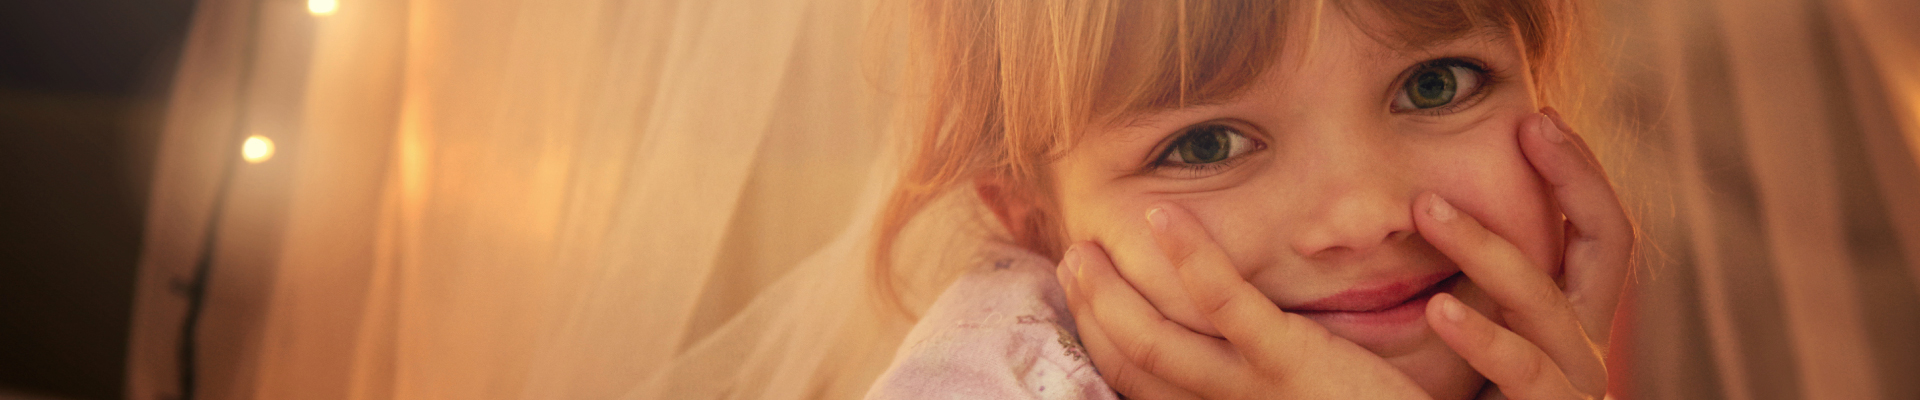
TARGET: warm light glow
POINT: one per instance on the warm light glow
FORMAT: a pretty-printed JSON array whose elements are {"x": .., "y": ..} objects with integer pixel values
[
  {"x": 257, "y": 149},
  {"x": 323, "y": 7}
]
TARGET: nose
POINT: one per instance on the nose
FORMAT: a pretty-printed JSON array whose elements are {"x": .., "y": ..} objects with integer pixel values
[{"x": 1363, "y": 205}]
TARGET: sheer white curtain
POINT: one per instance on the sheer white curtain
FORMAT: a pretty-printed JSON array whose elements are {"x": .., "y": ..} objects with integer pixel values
[
  {"x": 520, "y": 199},
  {"x": 669, "y": 199}
]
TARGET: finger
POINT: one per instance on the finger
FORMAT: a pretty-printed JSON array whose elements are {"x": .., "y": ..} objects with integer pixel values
[
  {"x": 1121, "y": 376},
  {"x": 1536, "y": 308},
  {"x": 1519, "y": 367},
  {"x": 1271, "y": 339},
  {"x": 1137, "y": 331},
  {"x": 1600, "y": 237}
]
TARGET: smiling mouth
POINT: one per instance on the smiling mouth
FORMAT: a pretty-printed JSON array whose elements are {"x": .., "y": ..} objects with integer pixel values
[{"x": 1382, "y": 297}]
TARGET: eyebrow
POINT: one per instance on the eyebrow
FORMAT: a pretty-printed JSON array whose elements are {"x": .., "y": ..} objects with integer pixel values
[
  {"x": 1156, "y": 115},
  {"x": 1415, "y": 51},
  {"x": 1150, "y": 116}
]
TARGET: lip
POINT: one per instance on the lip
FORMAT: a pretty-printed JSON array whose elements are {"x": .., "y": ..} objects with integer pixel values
[
  {"x": 1375, "y": 298},
  {"x": 1383, "y": 317}
]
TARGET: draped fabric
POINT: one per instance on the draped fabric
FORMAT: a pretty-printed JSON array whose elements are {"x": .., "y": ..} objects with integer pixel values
[
  {"x": 1777, "y": 152},
  {"x": 671, "y": 199},
  {"x": 496, "y": 199}
]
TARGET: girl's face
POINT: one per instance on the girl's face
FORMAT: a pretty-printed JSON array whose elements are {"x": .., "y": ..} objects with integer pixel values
[{"x": 1307, "y": 180}]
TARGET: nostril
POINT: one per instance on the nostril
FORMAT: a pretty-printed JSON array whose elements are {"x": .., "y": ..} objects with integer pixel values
[
  {"x": 1334, "y": 252},
  {"x": 1344, "y": 240},
  {"x": 1355, "y": 222}
]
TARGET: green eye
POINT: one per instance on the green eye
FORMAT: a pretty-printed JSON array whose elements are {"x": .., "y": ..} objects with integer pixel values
[
  {"x": 1207, "y": 144},
  {"x": 1431, "y": 87},
  {"x": 1437, "y": 84}
]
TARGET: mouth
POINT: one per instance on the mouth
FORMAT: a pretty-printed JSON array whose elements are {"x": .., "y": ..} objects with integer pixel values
[
  {"x": 1380, "y": 318},
  {"x": 1381, "y": 297}
]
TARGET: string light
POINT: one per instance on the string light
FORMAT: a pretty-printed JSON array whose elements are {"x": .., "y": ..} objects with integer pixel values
[
  {"x": 256, "y": 149},
  {"x": 323, "y": 7}
]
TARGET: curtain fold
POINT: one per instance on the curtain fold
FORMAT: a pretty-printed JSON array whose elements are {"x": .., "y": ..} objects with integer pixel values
[
  {"x": 671, "y": 199},
  {"x": 1789, "y": 271}
]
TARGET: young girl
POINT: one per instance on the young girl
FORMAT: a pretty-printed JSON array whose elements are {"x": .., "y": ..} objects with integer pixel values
[{"x": 1285, "y": 199}]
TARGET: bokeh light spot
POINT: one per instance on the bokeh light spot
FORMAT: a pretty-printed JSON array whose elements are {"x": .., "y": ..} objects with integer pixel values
[
  {"x": 323, "y": 7},
  {"x": 256, "y": 149}
]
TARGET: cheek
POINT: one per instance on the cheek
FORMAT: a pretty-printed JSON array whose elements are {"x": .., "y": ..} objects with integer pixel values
[
  {"x": 1099, "y": 213},
  {"x": 1483, "y": 172},
  {"x": 1114, "y": 215}
]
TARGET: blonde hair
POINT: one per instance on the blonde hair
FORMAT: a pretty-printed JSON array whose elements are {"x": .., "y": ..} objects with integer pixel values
[{"x": 1012, "y": 83}]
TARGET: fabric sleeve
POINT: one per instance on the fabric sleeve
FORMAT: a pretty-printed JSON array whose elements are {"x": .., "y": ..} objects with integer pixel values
[{"x": 1000, "y": 332}]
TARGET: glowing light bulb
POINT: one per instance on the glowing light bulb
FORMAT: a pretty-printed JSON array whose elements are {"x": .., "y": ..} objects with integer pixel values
[
  {"x": 256, "y": 149},
  {"x": 323, "y": 7}
]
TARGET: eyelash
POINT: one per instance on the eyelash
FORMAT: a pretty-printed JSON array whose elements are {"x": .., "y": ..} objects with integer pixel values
[
  {"x": 1489, "y": 79},
  {"x": 1191, "y": 171}
]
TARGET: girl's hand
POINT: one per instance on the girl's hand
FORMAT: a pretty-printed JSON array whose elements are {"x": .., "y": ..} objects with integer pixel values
[
  {"x": 1558, "y": 338},
  {"x": 1267, "y": 353}
]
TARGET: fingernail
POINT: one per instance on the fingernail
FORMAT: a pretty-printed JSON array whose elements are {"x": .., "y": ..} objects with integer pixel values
[
  {"x": 1549, "y": 130},
  {"x": 1157, "y": 218},
  {"x": 1071, "y": 261},
  {"x": 1079, "y": 263},
  {"x": 1451, "y": 309},
  {"x": 1440, "y": 210}
]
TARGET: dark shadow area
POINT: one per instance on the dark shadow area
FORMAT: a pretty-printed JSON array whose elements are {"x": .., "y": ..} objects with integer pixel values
[{"x": 82, "y": 89}]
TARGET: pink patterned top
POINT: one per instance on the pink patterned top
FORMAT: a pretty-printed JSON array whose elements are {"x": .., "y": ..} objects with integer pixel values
[{"x": 1002, "y": 331}]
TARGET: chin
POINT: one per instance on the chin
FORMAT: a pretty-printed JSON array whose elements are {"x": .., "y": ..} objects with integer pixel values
[
  {"x": 1434, "y": 366},
  {"x": 1443, "y": 374}
]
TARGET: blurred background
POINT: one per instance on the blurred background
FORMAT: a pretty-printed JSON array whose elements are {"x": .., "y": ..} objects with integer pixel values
[
  {"x": 83, "y": 86},
  {"x": 669, "y": 198}
]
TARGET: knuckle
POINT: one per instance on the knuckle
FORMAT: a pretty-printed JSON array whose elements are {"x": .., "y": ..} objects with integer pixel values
[
  {"x": 1549, "y": 299},
  {"x": 1216, "y": 306},
  {"x": 1530, "y": 372},
  {"x": 1485, "y": 341},
  {"x": 1145, "y": 354},
  {"x": 1536, "y": 301},
  {"x": 1181, "y": 256},
  {"x": 1125, "y": 380}
]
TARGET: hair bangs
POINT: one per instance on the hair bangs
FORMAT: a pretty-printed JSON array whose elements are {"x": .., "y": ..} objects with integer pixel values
[{"x": 1011, "y": 84}]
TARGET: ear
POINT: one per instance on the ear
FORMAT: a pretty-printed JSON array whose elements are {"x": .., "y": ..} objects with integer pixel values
[{"x": 1014, "y": 210}]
